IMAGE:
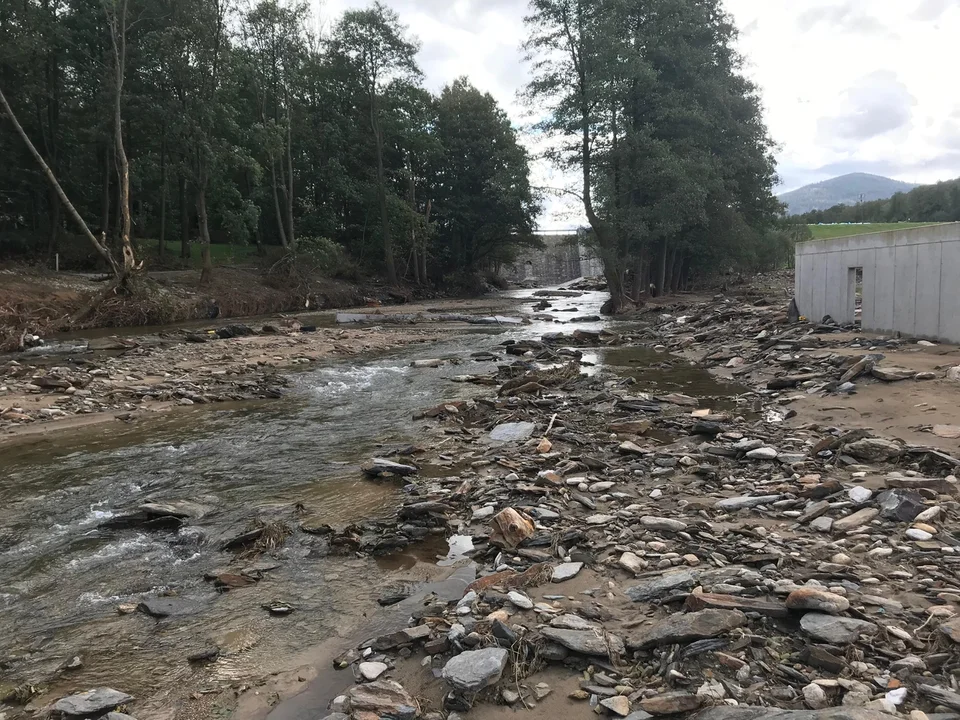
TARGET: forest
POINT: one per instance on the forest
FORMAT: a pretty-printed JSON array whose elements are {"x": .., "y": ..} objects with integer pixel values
[
  {"x": 136, "y": 130},
  {"x": 928, "y": 203},
  {"x": 175, "y": 123}
]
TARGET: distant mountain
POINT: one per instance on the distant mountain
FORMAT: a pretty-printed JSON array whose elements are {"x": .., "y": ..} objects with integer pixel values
[{"x": 843, "y": 190}]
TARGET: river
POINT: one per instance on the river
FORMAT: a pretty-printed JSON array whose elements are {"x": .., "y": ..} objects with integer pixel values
[{"x": 63, "y": 575}]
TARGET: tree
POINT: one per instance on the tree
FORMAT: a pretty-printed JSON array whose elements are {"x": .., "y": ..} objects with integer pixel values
[
  {"x": 485, "y": 206},
  {"x": 373, "y": 43}
]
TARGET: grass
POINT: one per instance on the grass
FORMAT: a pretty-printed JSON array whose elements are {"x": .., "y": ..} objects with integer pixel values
[{"x": 826, "y": 232}]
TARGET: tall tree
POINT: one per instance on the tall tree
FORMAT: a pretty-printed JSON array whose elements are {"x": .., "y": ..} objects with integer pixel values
[{"x": 374, "y": 44}]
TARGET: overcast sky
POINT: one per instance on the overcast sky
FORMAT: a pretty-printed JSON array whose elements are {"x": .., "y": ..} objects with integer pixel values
[{"x": 847, "y": 85}]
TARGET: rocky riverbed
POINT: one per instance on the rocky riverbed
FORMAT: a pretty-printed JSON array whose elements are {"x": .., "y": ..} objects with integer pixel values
[{"x": 622, "y": 547}]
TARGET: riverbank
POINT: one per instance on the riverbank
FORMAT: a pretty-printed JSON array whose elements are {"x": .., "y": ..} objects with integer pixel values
[{"x": 814, "y": 557}]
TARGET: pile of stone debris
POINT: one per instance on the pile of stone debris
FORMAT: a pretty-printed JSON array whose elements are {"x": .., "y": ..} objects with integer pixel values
[{"x": 677, "y": 557}]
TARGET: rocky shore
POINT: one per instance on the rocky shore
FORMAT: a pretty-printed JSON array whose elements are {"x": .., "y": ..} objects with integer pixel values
[{"x": 633, "y": 553}]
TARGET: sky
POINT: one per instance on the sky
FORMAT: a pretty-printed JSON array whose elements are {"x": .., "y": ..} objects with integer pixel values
[{"x": 847, "y": 85}]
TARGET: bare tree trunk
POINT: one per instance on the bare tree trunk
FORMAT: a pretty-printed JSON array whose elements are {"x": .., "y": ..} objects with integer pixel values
[
  {"x": 105, "y": 193},
  {"x": 412, "y": 199},
  {"x": 98, "y": 246},
  {"x": 118, "y": 35},
  {"x": 162, "y": 249},
  {"x": 184, "y": 219},
  {"x": 276, "y": 206},
  {"x": 382, "y": 194},
  {"x": 423, "y": 243},
  {"x": 291, "y": 236},
  {"x": 662, "y": 275},
  {"x": 206, "y": 273}
]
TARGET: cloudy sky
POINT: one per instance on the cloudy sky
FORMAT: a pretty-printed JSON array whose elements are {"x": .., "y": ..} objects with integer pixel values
[{"x": 847, "y": 85}]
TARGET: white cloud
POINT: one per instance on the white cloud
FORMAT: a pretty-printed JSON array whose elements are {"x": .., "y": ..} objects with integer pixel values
[{"x": 847, "y": 85}]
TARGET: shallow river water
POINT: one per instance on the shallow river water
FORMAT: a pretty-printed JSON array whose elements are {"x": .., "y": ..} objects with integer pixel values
[{"x": 62, "y": 576}]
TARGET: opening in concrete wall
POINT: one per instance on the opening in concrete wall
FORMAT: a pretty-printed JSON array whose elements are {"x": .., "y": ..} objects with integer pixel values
[{"x": 855, "y": 295}]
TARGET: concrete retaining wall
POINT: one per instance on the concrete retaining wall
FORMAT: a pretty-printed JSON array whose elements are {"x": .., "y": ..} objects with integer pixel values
[{"x": 910, "y": 280}]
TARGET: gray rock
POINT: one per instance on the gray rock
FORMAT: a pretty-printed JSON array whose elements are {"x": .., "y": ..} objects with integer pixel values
[
  {"x": 566, "y": 571},
  {"x": 617, "y": 704},
  {"x": 744, "y": 712},
  {"x": 747, "y": 501},
  {"x": 118, "y": 716},
  {"x": 639, "y": 715},
  {"x": 892, "y": 374},
  {"x": 861, "y": 517},
  {"x": 666, "y": 584},
  {"x": 91, "y": 702},
  {"x": 337, "y": 716},
  {"x": 520, "y": 600},
  {"x": 874, "y": 450},
  {"x": 859, "y": 495},
  {"x": 385, "y": 697},
  {"x": 572, "y": 622},
  {"x": 586, "y": 642},
  {"x": 822, "y": 524},
  {"x": 684, "y": 627},
  {"x": 661, "y": 523},
  {"x": 902, "y": 505},
  {"x": 811, "y": 598},
  {"x": 763, "y": 453},
  {"x": 161, "y": 607},
  {"x": 372, "y": 670},
  {"x": 832, "y": 629},
  {"x": 476, "y": 669},
  {"x": 512, "y": 432}
]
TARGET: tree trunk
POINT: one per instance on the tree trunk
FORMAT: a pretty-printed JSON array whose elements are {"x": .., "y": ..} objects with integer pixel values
[
  {"x": 118, "y": 36},
  {"x": 53, "y": 239},
  {"x": 423, "y": 243},
  {"x": 662, "y": 273},
  {"x": 276, "y": 206},
  {"x": 98, "y": 246},
  {"x": 677, "y": 272},
  {"x": 382, "y": 195},
  {"x": 291, "y": 236},
  {"x": 668, "y": 278},
  {"x": 162, "y": 249},
  {"x": 184, "y": 219},
  {"x": 639, "y": 278},
  {"x": 105, "y": 193},
  {"x": 206, "y": 273}
]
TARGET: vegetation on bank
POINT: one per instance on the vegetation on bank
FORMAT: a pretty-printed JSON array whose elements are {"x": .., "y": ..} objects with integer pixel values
[
  {"x": 938, "y": 203},
  {"x": 648, "y": 103}
]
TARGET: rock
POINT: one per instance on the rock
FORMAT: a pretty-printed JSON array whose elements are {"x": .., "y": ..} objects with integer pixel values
[
  {"x": 512, "y": 432},
  {"x": 569, "y": 621},
  {"x": 632, "y": 427},
  {"x": 832, "y": 629},
  {"x": 861, "y": 517},
  {"x": 951, "y": 629},
  {"x": 372, "y": 670},
  {"x": 380, "y": 466},
  {"x": 176, "y": 509},
  {"x": 662, "y": 524},
  {"x": 671, "y": 703},
  {"x": 566, "y": 571},
  {"x": 901, "y": 505},
  {"x": 704, "y": 601},
  {"x": 763, "y": 453},
  {"x": 618, "y": 705},
  {"x": 745, "y": 712},
  {"x": 666, "y": 584},
  {"x": 874, "y": 450},
  {"x": 511, "y": 528},
  {"x": 859, "y": 495},
  {"x": 633, "y": 563},
  {"x": 586, "y": 642},
  {"x": 742, "y": 503},
  {"x": 118, "y": 716},
  {"x": 91, "y": 702},
  {"x": 815, "y": 697},
  {"x": 520, "y": 600},
  {"x": 892, "y": 374},
  {"x": 401, "y": 637},
  {"x": 509, "y": 696},
  {"x": 822, "y": 524},
  {"x": 685, "y": 627},
  {"x": 161, "y": 607},
  {"x": 476, "y": 669},
  {"x": 918, "y": 534},
  {"x": 385, "y": 697},
  {"x": 811, "y": 598}
]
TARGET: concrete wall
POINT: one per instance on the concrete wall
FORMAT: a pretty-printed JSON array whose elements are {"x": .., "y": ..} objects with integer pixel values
[{"x": 910, "y": 280}]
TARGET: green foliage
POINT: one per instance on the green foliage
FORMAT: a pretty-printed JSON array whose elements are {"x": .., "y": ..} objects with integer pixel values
[
  {"x": 826, "y": 232},
  {"x": 648, "y": 101},
  {"x": 286, "y": 133}
]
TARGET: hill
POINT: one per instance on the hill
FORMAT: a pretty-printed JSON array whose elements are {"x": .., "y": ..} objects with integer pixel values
[{"x": 843, "y": 190}]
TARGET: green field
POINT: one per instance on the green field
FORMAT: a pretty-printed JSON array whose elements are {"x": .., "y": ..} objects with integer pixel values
[{"x": 825, "y": 232}]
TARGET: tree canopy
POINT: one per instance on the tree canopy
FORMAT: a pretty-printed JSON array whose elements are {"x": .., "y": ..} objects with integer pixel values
[
  {"x": 939, "y": 202},
  {"x": 245, "y": 124}
]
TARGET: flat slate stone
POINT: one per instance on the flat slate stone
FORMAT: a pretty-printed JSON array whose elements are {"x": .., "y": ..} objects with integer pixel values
[
  {"x": 512, "y": 432},
  {"x": 833, "y": 629},
  {"x": 743, "y": 712},
  {"x": 161, "y": 607},
  {"x": 666, "y": 584},
  {"x": 586, "y": 642},
  {"x": 684, "y": 627},
  {"x": 91, "y": 702},
  {"x": 566, "y": 571}
]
